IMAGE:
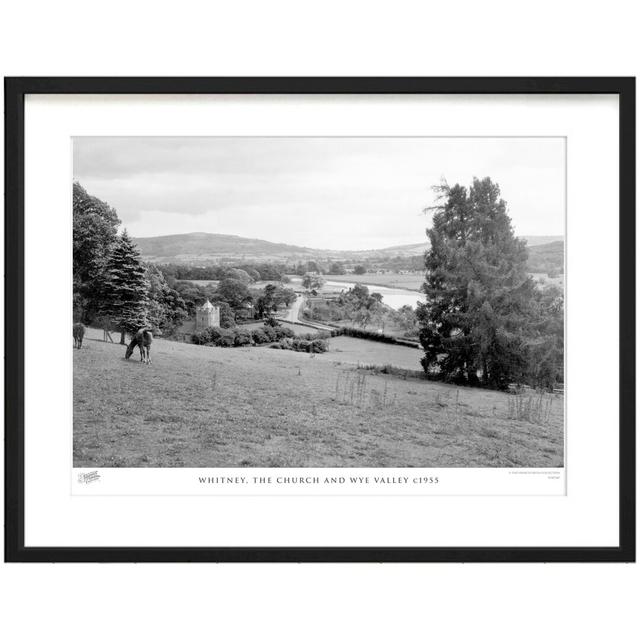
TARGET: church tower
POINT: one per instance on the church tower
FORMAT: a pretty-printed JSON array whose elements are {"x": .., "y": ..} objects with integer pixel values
[{"x": 207, "y": 315}]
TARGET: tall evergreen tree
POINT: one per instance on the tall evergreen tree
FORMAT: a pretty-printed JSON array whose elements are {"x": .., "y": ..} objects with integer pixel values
[
  {"x": 165, "y": 308},
  {"x": 125, "y": 288},
  {"x": 95, "y": 226},
  {"x": 478, "y": 321}
]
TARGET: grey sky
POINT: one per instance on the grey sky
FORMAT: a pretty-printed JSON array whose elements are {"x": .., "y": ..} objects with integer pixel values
[{"x": 326, "y": 193}]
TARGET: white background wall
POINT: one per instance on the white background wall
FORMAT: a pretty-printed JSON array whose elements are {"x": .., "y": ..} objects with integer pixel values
[{"x": 328, "y": 38}]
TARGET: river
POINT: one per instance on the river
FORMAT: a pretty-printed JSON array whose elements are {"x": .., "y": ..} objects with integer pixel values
[{"x": 394, "y": 298}]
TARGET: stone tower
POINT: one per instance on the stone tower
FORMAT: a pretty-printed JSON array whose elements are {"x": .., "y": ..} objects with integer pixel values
[{"x": 207, "y": 315}]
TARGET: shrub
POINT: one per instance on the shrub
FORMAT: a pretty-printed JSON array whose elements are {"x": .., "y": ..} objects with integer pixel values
[
  {"x": 241, "y": 338},
  {"x": 225, "y": 341},
  {"x": 198, "y": 338},
  {"x": 210, "y": 335},
  {"x": 319, "y": 335},
  {"x": 283, "y": 337},
  {"x": 270, "y": 332},
  {"x": 302, "y": 345},
  {"x": 284, "y": 332},
  {"x": 218, "y": 337},
  {"x": 213, "y": 334},
  {"x": 271, "y": 322},
  {"x": 378, "y": 337},
  {"x": 296, "y": 344},
  {"x": 259, "y": 336},
  {"x": 319, "y": 346}
]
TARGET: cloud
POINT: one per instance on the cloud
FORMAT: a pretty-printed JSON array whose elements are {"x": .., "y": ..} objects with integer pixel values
[{"x": 321, "y": 192}]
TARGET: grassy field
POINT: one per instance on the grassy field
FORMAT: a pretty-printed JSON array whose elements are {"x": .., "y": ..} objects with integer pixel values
[
  {"x": 212, "y": 407},
  {"x": 412, "y": 281},
  {"x": 215, "y": 283},
  {"x": 204, "y": 283},
  {"x": 354, "y": 351},
  {"x": 298, "y": 329}
]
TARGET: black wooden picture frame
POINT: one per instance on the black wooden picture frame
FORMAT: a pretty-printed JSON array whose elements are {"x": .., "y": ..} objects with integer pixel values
[{"x": 15, "y": 91}]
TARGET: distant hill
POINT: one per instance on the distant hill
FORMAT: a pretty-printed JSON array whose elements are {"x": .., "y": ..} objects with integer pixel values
[
  {"x": 403, "y": 249},
  {"x": 547, "y": 258},
  {"x": 203, "y": 248},
  {"x": 534, "y": 241},
  {"x": 216, "y": 247}
]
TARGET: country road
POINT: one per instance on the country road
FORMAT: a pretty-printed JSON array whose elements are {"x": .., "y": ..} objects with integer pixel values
[
  {"x": 294, "y": 312},
  {"x": 293, "y": 315}
]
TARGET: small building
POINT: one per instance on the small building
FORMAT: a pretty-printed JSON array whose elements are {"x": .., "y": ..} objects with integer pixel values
[
  {"x": 245, "y": 312},
  {"x": 208, "y": 315}
]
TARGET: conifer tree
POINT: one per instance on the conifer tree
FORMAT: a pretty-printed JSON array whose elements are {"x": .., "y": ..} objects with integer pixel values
[
  {"x": 125, "y": 287},
  {"x": 478, "y": 320},
  {"x": 165, "y": 308},
  {"x": 95, "y": 226}
]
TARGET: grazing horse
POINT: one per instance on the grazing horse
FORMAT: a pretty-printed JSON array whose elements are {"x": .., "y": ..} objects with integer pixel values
[
  {"x": 78, "y": 334},
  {"x": 142, "y": 339}
]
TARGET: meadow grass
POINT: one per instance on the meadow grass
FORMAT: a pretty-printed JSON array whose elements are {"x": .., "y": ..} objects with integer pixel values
[
  {"x": 201, "y": 406},
  {"x": 369, "y": 352},
  {"x": 412, "y": 281}
]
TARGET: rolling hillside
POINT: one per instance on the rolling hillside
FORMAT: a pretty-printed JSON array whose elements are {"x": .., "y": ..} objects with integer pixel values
[
  {"x": 214, "y": 247},
  {"x": 534, "y": 241},
  {"x": 188, "y": 247},
  {"x": 208, "y": 247},
  {"x": 261, "y": 407},
  {"x": 546, "y": 258}
]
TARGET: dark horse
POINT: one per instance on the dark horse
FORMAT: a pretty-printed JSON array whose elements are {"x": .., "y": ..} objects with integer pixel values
[
  {"x": 142, "y": 339},
  {"x": 78, "y": 334}
]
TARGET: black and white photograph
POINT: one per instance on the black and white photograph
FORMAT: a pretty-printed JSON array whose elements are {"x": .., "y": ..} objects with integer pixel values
[
  {"x": 320, "y": 319},
  {"x": 318, "y": 302}
]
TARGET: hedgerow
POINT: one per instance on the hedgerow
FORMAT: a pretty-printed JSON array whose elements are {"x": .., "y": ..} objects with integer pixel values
[
  {"x": 239, "y": 337},
  {"x": 296, "y": 344}
]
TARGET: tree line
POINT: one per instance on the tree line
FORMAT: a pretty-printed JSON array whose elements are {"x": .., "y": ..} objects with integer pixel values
[
  {"x": 112, "y": 287},
  {"x": 363, "y": 309},
  {"x": 256, "y": 271},
  {"x": 115, "y": 289}
]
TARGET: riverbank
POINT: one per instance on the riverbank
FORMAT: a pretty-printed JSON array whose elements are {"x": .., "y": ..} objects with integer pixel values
[
  {"x": 410, "y": 281},
  {"x": 393, "y": 297}
]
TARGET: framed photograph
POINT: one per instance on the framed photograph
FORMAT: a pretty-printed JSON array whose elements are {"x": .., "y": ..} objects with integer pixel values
[{"x": 320, "y": 319}]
